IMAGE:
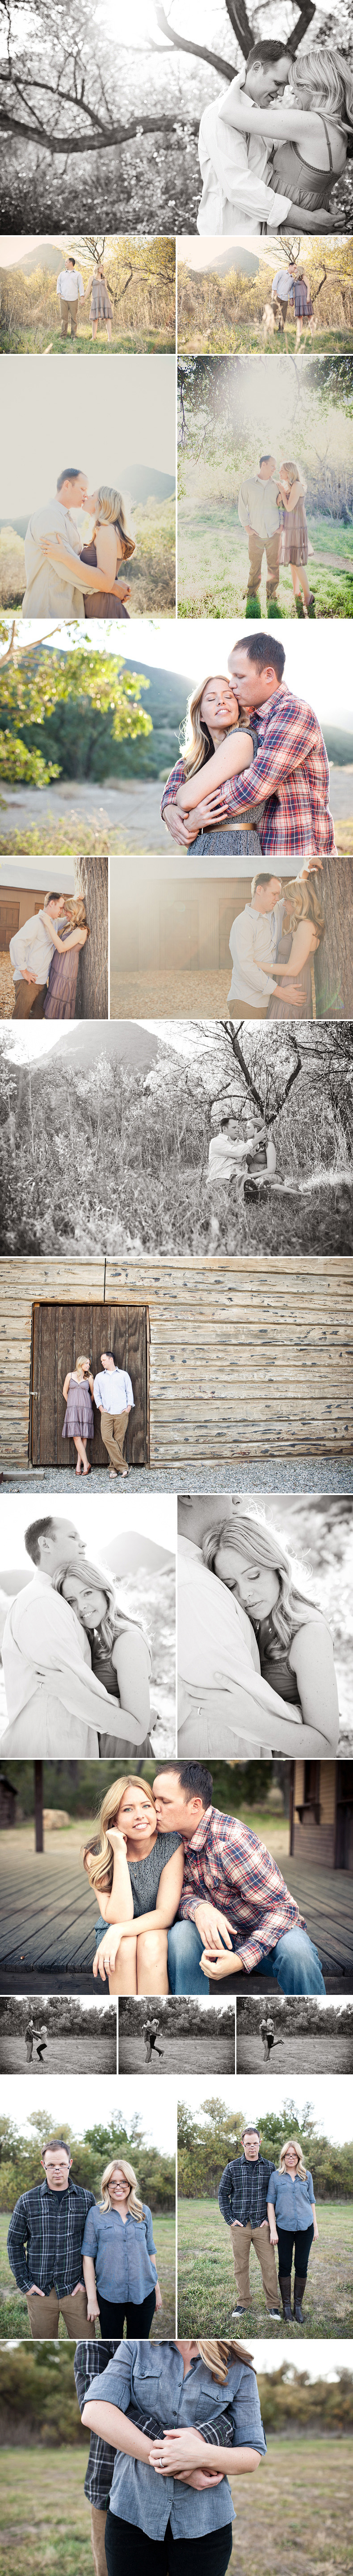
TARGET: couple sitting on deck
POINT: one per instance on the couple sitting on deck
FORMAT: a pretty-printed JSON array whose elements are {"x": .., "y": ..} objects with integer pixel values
[{"x": 188, "y": 1894}]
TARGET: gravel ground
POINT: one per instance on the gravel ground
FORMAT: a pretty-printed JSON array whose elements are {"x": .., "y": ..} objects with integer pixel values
[
  {"x": 287, "y": 1476},
  {"x": 7, "y": 988}
]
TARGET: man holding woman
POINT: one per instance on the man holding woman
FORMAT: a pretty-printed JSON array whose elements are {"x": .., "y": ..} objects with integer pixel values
[
  {"x": 209, "y": 1898},
  {"x": 284, "y": 784},
  {"x": 74, "y": 1663},
  {"x": 274, "y": 144}
]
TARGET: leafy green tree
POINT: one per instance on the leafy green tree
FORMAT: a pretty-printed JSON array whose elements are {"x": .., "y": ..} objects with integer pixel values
[{"x": 38, "y": 684}]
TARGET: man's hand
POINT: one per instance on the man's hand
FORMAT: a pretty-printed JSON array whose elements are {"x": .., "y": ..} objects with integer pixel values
[
  {"x": 35, "y": 2292},
  {"x": 26, "y": 977},
  {"x": 79, "y": 2285},
  {"x": 219, "y": 1963},
  {"x": 216, "y": 1932},
  {"x": 182, "y": 827}
]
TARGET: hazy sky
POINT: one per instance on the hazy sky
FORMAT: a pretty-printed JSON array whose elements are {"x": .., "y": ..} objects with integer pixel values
[
  {"x": 316, "y": 666},
  {"x": 136, "y": 423},
  {"x": 78, "y": 2099},
  {"x": 331, "y": 2104},
  {"x": 155, "y": 1518},
  {"x": 321, "y": 2360}
]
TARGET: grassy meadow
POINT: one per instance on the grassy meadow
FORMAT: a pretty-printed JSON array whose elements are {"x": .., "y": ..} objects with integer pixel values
[
  {"x": 213, "y": 563},
  {"x": 14, "y": 2318},
  {"x": 141, "y": 284},
  {"x": 207, "y": 2291},
  {"x": 303, "y": 2489},
  {"x": 224, "y": 315}
]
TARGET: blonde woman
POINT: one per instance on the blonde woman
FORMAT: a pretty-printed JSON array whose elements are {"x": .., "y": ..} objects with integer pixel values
[
  {"x": 292, "y": 2222},
  {"x": 170, "y": 2503},
  {"x": 111, "y": 544},
  {"x": 101, "y": 308},
  {"x": 138, "y": 1875},
  {"x": 119, "y": 1654},
  {"x": 303, "y": 929},
  {"x": 293, "y": 1638},
  {"x": 294, "y": 542},
  {"x": 78, "y": 1424},
  {"x": 119, "y": 2256},
  {"x": 222, "y": 743},
  {"x": 307, "y": 130},
  {"x": 60, "y": 1000}
]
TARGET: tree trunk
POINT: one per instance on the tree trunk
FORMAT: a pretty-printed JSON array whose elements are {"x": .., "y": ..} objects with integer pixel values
[
  {"x": 91, "y": 880},
  {"x": 333, "y": 964}
]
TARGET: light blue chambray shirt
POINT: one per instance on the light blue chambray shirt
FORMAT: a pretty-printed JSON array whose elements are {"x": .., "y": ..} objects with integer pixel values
[
  {"x": 121, "y": 2252},
  {"x": 291, "y": 2199},
  {"x": 147, "y": 2381}
]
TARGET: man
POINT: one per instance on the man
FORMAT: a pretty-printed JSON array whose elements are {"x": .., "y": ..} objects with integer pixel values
[
  {"x": 53, "y": 590},
  {"x": 230, "y": 1154},
  {"x": 29, "y": 2037},
  {"x": 114, "y": 1398},
  {"x": 267, "y": 2034},
  {"x": 233, "y": 1893},
  {"x": 101, "y": 2459},
  {"x": 69, "y": 287},
  {"x": 282, "y": 292},
  {"x": 223, "y": 1703},
  {"x": 291, "y": 769},
  {"x": 53, "y": 1699},
  {"x": 254, "y": 941},
  {"x": 31, "y": 952},
  {"x": 44, "y": 2246},
  {"x": 236, "y": 167},
  {"x": 259, "y": 513},
  {"x": 243, "y": 2202},
  {"x": 150, "y": 2034}
]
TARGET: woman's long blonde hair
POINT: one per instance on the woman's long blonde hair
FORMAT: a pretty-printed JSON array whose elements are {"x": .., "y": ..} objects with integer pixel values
[
  {"x": 196, "y": 744},
  {"x": 329, "y": 78},
  {"x": 100, "y": 1864},
  {"x": 114, "y": 1620},
  {"x": 76, "y": 910},
  {"x": 294, "y": 471},
  {"x": 262, "y": 1546},
  {"x": 112, "y": 507},
  {"x": 135, "y": 2206},
  {"x": 218, "y": 2351},
  {"x": 82, "y": 1366},
  {"x": 302, "y": 2168},
  {"x": 306, "y": 903}
]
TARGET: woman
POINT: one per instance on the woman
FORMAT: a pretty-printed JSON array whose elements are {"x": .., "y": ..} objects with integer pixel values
[
  {"x": 119, "y": 1654},
  {"x": 138, "y": 1874},
  {"x": 293, "y": 1639},
  {"x": 216, "y": 738},
  {"x": 78, "y": 1423},
  {"x": 60, "y": 1000},
  {"x": 294, "y": 543},
  {"x": 306, "y": 926},
  {"x": 101, "y": 309},
  {"x": 292, "y": 2221},
  {"x": 307, "y": 131},
  {"x": 170, "y": 2504},
  {"x": 303, "y": 310},
  {"x": 119, "y": 2257},
  {"x": 111, "y": 544}
]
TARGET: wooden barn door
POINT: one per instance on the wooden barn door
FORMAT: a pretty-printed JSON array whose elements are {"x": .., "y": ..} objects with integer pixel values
[{"x": 59, "y": 1333}]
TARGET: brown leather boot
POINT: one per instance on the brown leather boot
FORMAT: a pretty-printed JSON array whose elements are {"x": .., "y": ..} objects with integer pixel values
[
  {"x": 299, "y": 2287},
  {"x": 285, "y": 2289}
]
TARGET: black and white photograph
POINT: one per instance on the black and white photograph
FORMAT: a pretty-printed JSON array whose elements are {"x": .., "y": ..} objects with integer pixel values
[
  {"x": 49, "y": 2034},
  {"x": 54, "y": 938},
  {"x": 91, "y": 2198},
  {"x": 295, "y": 2032},
  {"x": 175, "y": 1138},
  {"x": 164, "y": 120},
  {"x": 92, "y": 540},
  {"x": 87, "y": 1615},
  {"x": 264, "y": 295},
  {"x": 87, "y": 292},
  {"x": 265, "y": 1648},
  {"x": 172, "y": 2035}
]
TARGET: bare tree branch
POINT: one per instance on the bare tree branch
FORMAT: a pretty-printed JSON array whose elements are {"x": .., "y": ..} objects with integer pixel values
[{"x": 185, "y": 45}]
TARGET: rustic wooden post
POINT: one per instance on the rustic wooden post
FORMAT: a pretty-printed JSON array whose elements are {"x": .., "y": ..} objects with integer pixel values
[{"x": 38, "y": 1805}]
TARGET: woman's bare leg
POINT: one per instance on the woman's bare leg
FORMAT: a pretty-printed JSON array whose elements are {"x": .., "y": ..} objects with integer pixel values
[
  {"x": 303, "y": 583},
  {"x": 94, "y": 330},
  {"x": 123, "y": 1980},
  {"x": 80, "y": 1445},
  {"x": 152, "y": 1963}
]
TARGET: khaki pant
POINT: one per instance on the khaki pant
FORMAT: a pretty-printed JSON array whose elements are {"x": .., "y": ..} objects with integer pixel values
[
  {"x": 257, "y": 547},
  {"x": 247, "y": 1010},
  {"x": 113, "y": 1428},
  {"x": 66, "y": 308},
  {"x": 29, "y": 997},
  {"x": 259, "y": 2237},
  {"x": 44, "y": 2315},
  {"x": 98, "y": 2523}
]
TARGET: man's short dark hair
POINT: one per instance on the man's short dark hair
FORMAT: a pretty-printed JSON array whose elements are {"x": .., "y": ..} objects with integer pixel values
[
  {"x": 71, "y": 474},
  {"x": 195, "y": 1779},
  {"x": 33, "y": 1535},
  {"x": 263, "y": 648},
  {"x": 250, "y": 2130},
  {"x": 266, "y": 460},
  {"x": 56, "y": 2142},
  {"x": 262, "y": 880},
  {"x": 266, "y": 52},
  {"x": 72, "y": 262}
]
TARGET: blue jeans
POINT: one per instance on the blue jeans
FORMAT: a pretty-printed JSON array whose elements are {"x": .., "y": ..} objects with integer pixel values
[{"x": 294, "y": 1962}]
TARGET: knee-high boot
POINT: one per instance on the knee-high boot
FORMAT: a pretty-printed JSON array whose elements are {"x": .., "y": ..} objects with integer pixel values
[
  {"x": 299, "y": 2287},
  {"x": 284, "y": 2284}
]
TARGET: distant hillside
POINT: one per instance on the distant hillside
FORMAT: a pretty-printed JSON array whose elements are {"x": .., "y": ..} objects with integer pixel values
[
  {"x": 124, "y": 1040},
  {"x": 47, "y": 254},
  {"x": 339, "y": 746},
  {"x": 245, "y": 260},
  {"x": 143, "y": 480}
]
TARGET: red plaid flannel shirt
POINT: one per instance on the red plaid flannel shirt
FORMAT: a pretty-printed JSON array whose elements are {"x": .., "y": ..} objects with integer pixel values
[
  {"x": 226, "y": 1862},
  {"x": 297, "y": 819}
]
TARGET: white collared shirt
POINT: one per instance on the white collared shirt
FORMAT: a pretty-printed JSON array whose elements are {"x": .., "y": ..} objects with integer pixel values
[
  {"x": 113, "y": 1390},
  {"x": 255, "y": 935},
  {"x": 32, "y": 947},
  {"x": 47, "y": 589},
  {"x": 257, "y": 505},
  {"x": 235, "y": 169},
  {"x": 42, "y": 1635},
  {"x": 70, "y": 285}
]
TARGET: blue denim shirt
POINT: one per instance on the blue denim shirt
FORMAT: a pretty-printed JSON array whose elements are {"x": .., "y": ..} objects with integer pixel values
[
  {"x": 121, "y": 2252},
  {"x": 291, "y": 2199},
  {"x": 147, "y": 2381}
]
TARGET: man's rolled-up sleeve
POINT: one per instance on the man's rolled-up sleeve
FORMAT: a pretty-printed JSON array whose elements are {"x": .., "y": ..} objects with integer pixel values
[
  {"x": 16, "y": 2244},
  {"x": 226, "y": 2195}
]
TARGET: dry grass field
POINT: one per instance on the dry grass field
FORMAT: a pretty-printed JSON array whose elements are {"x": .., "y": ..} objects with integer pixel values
[
  {"x": 206, "y": 2288},
  {"x": 204, "y": 2060},
  {"x": 296, "y": 2056},
  {"x": 295, "y": 2514},
  {"x": 85, "y": 2054}
]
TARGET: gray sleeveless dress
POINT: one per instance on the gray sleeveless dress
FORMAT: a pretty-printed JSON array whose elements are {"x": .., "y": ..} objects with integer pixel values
[
  {"x": 235, "y": 838},
  {"x": 145, "y": 1875}
]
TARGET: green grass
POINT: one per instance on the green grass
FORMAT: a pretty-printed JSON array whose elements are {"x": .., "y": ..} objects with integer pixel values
[
  {"x": 14, "y": 2319},
  {"x": 45, "y": 2517},
  {"x": 207, "y": 2291},
  {"x": 132, "y": 342},
  {"x": 296, "y": 2512},
  {"x": 213, "y": 565},
  {"x": 233, "y": 337}
]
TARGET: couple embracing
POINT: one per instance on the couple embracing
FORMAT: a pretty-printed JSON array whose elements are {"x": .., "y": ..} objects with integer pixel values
[
  {"x": 187, "y": 1894},
  {"x": 274, "y": 144},
  {"x": 76, "y": 1665}
]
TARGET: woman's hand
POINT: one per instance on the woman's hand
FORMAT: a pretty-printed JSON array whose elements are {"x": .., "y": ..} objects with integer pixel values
[
  {"x": 177, "y": 824},
  {"x": 176, "y": 2451},
  {"x": 106, "y": 1955},
  {"x": 118, "y": 1841},
  {"x": 316, "y": 2231},
  {"x": 273, "y": 2233},
  {"x": 92, "y": 2306},
  {"x": 51, "y": 545},
  {"x": 201, "y": 2478},
  {"x": 123, "y": 589},
  {"x": 159, "y": 2300}
]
